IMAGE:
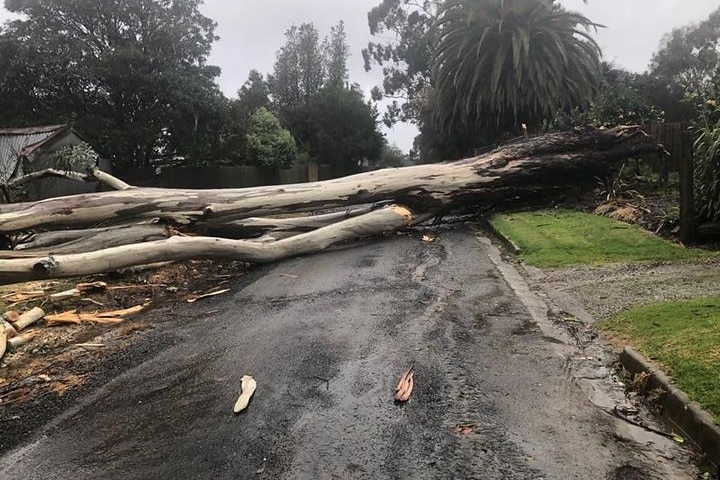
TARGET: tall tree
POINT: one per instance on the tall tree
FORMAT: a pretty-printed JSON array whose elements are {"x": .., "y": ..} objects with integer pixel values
[
  {"x": 131, "y": 74},
  {"x": 500, "y": 63},
  {"x": 337, "y": 51},
  {"x": 254, "y": 94},
  {"x": 299, "y": 70},
  {"x": 404, "y": 52}
]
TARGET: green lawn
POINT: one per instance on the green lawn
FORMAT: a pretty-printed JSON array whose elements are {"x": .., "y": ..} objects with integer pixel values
[
  {"x": 558, "y": 238},
  {"x": 683, "y": 337}
]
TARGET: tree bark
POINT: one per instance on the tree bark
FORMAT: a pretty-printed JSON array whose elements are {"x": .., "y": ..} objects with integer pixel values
[
  {"x": 73, "y": 241},
  {"x": 535, "y": 167},
  {"x": 389, "y": 218}
]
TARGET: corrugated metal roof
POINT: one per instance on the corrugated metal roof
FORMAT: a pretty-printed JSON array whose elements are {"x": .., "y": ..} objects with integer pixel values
[{"x": 22, "y": 142}]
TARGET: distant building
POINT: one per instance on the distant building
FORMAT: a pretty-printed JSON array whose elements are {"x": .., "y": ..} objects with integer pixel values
[{"x": 29, "y": 149}]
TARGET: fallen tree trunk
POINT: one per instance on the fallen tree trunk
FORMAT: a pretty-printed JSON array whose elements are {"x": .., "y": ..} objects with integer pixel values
[
  {"x": 539, "y": 165},
  {"x": 389, "y": 218}
]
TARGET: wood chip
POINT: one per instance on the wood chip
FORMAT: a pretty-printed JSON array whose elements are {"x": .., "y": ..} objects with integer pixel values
[
  {"x": 3, "y": 342},
  {"x": 90, "y": 345},
  {"x": 405, "y": 386},
  {"x": 21, "y": 339},
  {"x": 207, "y": 295},
  {"x": 248, "y": 389},
  {"x": 9, "y": 329},
  {"x": 91, "y": 287},
  {"x": 464, "y": 429},
  {"x": 73, "y": 292}
]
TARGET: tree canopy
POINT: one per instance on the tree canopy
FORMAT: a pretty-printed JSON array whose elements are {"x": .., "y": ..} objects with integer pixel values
[
  {"x": 499, "y": 63},
  {"x": 131, "y": 75}
]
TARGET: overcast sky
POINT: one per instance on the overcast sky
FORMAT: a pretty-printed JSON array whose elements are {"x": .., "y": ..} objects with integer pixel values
[{"x": 252, "y": 31}]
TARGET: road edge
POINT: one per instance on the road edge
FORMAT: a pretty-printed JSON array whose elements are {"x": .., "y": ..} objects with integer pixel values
[
  {"x": 506, "y": 241},
  {"x": 683, "y": 413}
]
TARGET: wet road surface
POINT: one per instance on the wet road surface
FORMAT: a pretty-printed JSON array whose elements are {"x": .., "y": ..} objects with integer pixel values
[{"x": 326, "y": 338}]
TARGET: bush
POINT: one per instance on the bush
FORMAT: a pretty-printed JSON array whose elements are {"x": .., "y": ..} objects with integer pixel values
[
  {"x": 268, "y": 143},
  {"x": 707, "y": 172}
]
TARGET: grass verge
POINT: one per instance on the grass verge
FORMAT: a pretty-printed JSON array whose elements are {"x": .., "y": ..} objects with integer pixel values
[
  {"x": 683, "y": 337},
  {"x": 559, "y": 238}
]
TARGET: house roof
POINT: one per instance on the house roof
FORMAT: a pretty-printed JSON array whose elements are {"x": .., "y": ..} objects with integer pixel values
[{"x": 16, "y": 143}]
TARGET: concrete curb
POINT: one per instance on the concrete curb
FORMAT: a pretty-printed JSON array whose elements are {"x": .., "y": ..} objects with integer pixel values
[
  {"x": 683, "y": 413},
  {"x": 506, "y": 241}
]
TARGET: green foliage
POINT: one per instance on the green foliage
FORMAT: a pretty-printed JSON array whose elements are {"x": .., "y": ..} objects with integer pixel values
[
  {"x": 304, "y": 65},
  {"x": 78, "y": 157},
  {"x": 687, "y": 60},
  {"x": 683, "y": 336},
  {"x": 560, "y": 238},
  {"x": 337, "y": 127},
  {"x": 616, "y": 187},
  {"x": 131, "y": 75},
  {"x": 500, "y": 63},
  {"x": 622, "y": 100},
  {"x": 707, "y": 172},
  {"x": 392, "y": 156},
  {"x": 299, "y": 70},
  {"x": 337, "y": 52},
  {"x": 268, "y": 143}
]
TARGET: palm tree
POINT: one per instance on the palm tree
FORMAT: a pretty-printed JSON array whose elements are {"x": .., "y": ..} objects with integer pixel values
[{"x": 502, "y": 62}]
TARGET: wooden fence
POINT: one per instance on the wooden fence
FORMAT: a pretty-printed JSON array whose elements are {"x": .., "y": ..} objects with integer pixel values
[{"x": 677, "y": 138}]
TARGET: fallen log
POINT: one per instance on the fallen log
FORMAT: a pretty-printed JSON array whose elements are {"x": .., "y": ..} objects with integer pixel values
[
  {"x": 535, "y": 167},
  {"x": 389, "y": 218}
]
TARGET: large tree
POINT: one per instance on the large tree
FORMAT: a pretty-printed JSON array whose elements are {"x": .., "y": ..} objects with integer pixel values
[
  {"x": 404, "y": 52},
  {"x": 132, "y": 75},
  {"x": 299, "y": 70},
  {"x": 337, "y": 127},
  {"x": 337, "y": 52},
  {"x": 500, "y": 63}
]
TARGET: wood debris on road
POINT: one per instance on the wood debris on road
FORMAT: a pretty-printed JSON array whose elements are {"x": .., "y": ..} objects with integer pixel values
[
  {"x": 207, "y": 295},
  {"x": 405, "y": 386},
  {"x": 248, "y": 389}
]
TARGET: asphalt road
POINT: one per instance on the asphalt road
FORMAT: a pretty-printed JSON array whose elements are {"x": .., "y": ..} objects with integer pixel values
[{"x": 326, "y": 337}]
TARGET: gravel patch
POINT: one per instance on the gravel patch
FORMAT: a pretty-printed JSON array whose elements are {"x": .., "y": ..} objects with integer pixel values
[{"x": 605, "y": 291}]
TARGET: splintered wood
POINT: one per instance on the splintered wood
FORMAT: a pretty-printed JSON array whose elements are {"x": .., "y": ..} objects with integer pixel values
[
  {"x": 405, "y": 386},
  {"x": 103, "y": 318}
]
